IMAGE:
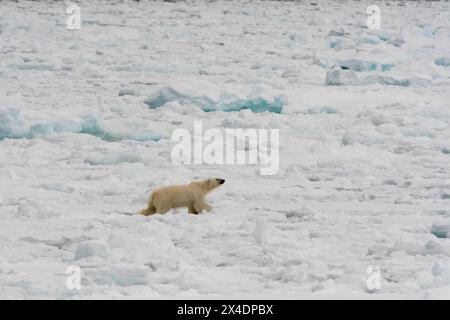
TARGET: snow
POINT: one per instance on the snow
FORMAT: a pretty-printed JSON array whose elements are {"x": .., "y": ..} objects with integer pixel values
[{"x": 86, "y": 119}]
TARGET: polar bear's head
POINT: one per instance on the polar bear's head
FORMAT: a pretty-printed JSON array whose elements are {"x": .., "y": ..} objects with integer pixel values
[{"x": 210, "y": 184}]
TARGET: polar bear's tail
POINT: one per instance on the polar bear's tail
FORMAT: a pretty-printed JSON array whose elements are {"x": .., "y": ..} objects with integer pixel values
[{"x": 150, "y": 208}]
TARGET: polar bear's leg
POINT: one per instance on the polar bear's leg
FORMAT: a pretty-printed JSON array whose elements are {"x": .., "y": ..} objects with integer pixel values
[
  {"x": 192, "y": 210},
  {"x": 198, "y": 207},
  {"x": 149, "y": 211},
  {"x": 160, "y": 205},
  {"x": 150, "y": 208},
  {"x": 162, "y": 208},
  {"x": 201, "y": 205}
]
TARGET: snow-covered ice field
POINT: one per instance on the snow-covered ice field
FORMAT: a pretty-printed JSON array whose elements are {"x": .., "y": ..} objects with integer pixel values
[{"x": 364, "y": 117}]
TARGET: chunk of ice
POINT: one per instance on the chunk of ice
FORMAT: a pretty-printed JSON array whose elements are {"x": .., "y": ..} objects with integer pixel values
[{"x": 226, "y": 102}]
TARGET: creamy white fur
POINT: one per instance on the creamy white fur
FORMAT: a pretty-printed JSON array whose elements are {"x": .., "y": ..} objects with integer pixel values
[{"x": 191, "y": 196}]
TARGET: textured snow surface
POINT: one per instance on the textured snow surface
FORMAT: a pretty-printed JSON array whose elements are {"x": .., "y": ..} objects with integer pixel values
[{"x": 364, "y": 180}]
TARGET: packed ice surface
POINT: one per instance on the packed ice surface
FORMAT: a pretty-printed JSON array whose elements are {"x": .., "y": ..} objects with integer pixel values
[{"x": 85, "y": 123}]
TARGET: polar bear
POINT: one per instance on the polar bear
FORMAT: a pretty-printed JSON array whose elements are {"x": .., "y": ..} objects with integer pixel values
[{"x": 190, "y": 195}]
